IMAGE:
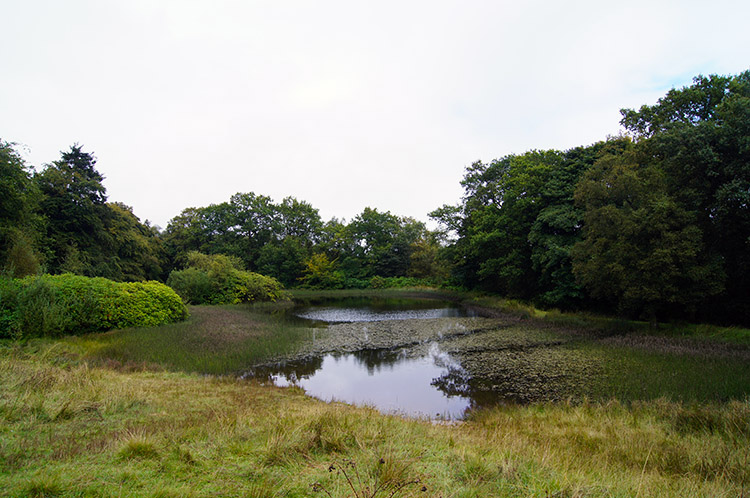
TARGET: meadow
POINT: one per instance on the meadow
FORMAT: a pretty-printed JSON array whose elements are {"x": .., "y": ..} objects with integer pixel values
[{"x": 132, "y": 413}]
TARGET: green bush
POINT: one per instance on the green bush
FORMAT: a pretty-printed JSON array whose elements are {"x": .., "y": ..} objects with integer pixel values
[
  {"x": 217, "y": 279},
  {"x": 193, "y": 285},
  {"x": 321, "y": 273},
  {"x": 55, "y": 305},
  {"x": 378, "y": 282}
]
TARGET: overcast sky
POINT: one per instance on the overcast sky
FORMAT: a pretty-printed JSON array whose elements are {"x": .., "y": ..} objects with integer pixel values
[{"x": 345, "y": 104}]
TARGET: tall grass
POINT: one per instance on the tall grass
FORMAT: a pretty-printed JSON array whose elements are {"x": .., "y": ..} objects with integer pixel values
[
  {"x": 215, "y": 340},
  {"x": 68, "y": 429},
  {"x": 632, "y": 374}
]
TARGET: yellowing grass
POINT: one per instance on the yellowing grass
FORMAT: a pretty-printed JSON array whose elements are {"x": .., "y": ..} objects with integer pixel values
[{"x": 68, "y": 429}]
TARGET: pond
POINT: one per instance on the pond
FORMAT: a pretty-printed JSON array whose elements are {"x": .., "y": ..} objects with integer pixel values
[
  {"x": 377, "y": 310},
  {"x": 433, "y": 359},
  {"x": 386, "y": 380}
]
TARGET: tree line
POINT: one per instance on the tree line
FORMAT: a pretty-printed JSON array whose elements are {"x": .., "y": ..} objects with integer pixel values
[
  {"x": 58, "y": 220},
  {"x": 654, "y": 223}
]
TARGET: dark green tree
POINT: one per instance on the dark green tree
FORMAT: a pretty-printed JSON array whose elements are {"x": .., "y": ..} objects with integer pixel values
[
  {"x": 698, "y": 136},
  {"x": 284, "y": 259},
  {"x": 383, "y": 242},
  {"x": 73, "y": 203},
  {"x": 642, "y": 251},
  {"x": 136, "y": 251},
  {"x": 84, "y": 234},
  {"x": 518, "y": 222},
  {"x": 19, "y": 224}
]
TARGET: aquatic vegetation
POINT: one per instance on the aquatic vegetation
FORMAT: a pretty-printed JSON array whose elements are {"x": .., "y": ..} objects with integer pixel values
[{"x": 522, "y": 360}]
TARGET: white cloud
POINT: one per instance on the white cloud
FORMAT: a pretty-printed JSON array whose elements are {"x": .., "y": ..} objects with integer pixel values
[{"x": 343, "y": 104}]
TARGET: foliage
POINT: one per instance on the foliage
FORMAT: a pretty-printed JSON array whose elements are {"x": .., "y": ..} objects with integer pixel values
[
  {"x": 218, "y": 279},
  {"x": 281, "y": 240},
  {"x": 77, "y": 231},
  {"x": 425, "y": 260},
  {"x": 284, "y": 260},
  {"x": 517, "y": 225},
  {"x": 656, "y": 223},
  {"x": 641, "y": 249},
  {"x": 321, "y": 273},
  {"x": 72, "y": 202},
  {"x": 378, "y": 282},
  {"x": 698, "y": 137},
  {"x": 269, "y": 237},
  {"x": 18, "y": 222},
  {"x": 55, "y": 305}
]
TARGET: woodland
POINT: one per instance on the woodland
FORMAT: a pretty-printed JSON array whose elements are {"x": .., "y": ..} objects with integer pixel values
[{"x": 651, "y": 224}]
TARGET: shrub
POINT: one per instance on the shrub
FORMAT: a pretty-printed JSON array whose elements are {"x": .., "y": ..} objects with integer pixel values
[
  {"x": 55, "y": 305},
  {"x": 378, "y": 282},
  {"x": 321, "y": 273},
  {"x": 193, "y": 285},
  {"x": 249, "y": 287},
  {"x": 217, "y": 279}
]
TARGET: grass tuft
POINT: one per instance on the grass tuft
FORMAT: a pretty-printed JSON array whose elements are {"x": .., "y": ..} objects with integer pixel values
[
  {"x": 45, "y": 487},
  {"x": 386, "y": 477},
  {"x": 138, "y": 447}
]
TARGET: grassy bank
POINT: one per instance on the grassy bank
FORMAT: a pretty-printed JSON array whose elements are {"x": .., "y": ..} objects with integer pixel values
[
  {"x": 70, "y": 429},
  {"x": 214, "y": 340},
  {"x": 602, "y": 324}
]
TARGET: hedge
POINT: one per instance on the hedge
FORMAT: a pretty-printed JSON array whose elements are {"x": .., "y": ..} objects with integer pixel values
[{"x": 56, "y": 305}]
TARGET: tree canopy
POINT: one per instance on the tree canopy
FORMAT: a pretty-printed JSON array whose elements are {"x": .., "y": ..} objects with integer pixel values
[{"x": 654, "y": 223}]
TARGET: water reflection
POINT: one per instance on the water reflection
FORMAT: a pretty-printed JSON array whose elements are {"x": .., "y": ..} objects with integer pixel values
[
  {"x": 375, "y": 360},
  {"x": 331, "y": 314},
  {"x": 388, "y": 380},
  {"x": 292, "y": 372}
]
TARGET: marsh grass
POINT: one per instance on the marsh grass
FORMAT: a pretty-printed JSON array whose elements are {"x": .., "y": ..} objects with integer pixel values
[
  {"x": 72, "y": 426},
  {"x": 159, "y": 433},
  {"x": 592, "y": 323},
  {"x": 633, "y": 374},
  {"x": 215, "y": 340}
]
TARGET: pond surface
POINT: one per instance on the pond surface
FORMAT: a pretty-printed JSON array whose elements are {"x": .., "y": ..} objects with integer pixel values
[
  {"x": 332, "y": 314},
  {"x": 433, "y": 359},
  {"x": 389, "y": 381},
  {"x": 376, "y": 310}
]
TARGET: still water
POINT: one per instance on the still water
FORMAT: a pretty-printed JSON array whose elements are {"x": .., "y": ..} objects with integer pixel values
[
  {"x": 348, "y": 315},
  {"x": 436, "y": 360},
  {"x": 388, "y": 380},
  {"x": 369, "y": 310}
]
